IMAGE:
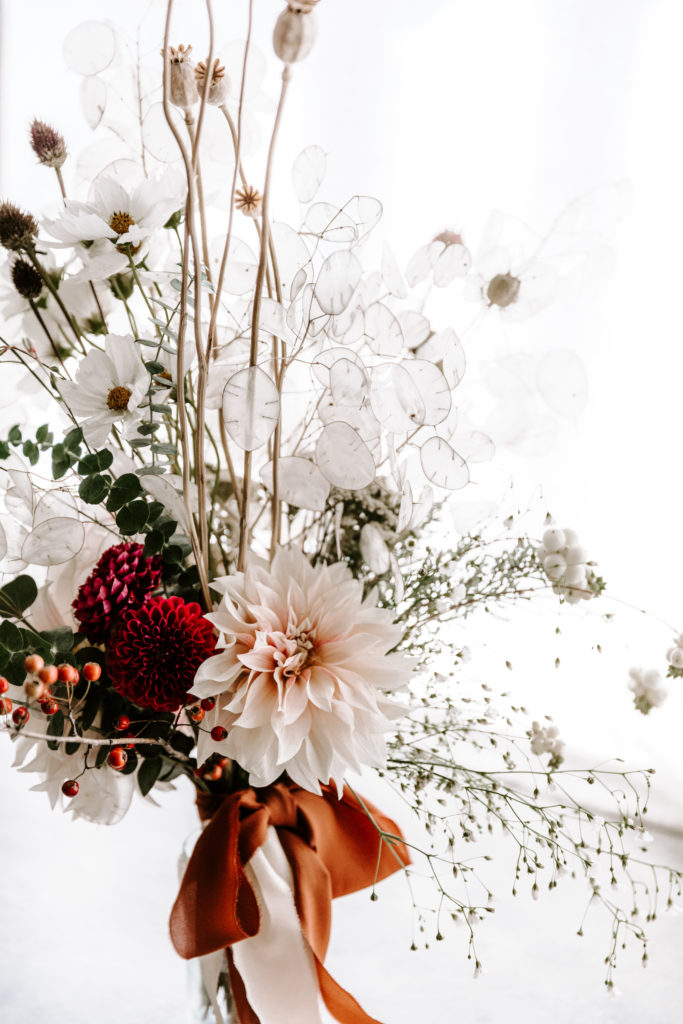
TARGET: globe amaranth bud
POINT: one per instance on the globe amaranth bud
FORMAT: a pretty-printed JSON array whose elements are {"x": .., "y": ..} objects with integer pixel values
[
  {"x": 183, "y": 87},
  {"x": 219, "y": 86},
  {"x": 295, "y": 31},
  {"x": 26, "y": 279},
  {"x": 18, "y": 230},
  {"x": 48, "y": 145}
]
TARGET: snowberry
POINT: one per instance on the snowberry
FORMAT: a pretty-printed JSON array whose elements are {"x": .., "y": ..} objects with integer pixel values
[
  {"x": 575, "y": 555},
  {"x": 34, "y": 663},
  {"x": 218, "y": 733},
  {"x": 91, "y": 671},
  {"x": 70, "y": 787},
  {"x": 575, "y": 576},
  {"x": 676, "y": 658},
  {"x": 554, "y": 539},
  {"x": 555, "y": 566},
  {"x": 117, "y": 758}
]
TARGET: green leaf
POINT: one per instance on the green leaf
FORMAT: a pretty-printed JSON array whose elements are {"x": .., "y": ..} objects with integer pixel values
[
  {"x": 148, "y": 428},
  {"x": 131, "y": 764},
  {"x": 182, "y": 743},
  {"x": 17, "y": 595},
  {"x": 154, "y": 367},
  {"x": 43, "y": 433},
  {"x": 61, "y": 640},
  {"x": 164, "y": 410},
  {"x": 14, "y": 435},
  {"x": 55, "y": 727},
  {"x": 101, "y": 756},
  {"x": 154, "y": 542},
  {"x": 140, "y": 442},
  {"x": 149, "y": 772},
  {"x": 61, "y": 461},
  {"x": 164, "y": 449},
  {"x": 154, "y": 510},
  {"x": 94, "y": 489},
  {"x": 10, "y": 637},
  {"x": 95, "y": 462},
  {"x": 125, "y": 489},
  {"x": 31, "y": 451},
  {"x": 132, "y": 518},
  {"x": 90, "y": 708},
  {"x": 73, "y": 440}
]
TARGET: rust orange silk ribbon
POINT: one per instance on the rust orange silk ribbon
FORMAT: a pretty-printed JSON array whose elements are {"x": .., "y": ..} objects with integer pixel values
[{"x": 333, "y": 847}]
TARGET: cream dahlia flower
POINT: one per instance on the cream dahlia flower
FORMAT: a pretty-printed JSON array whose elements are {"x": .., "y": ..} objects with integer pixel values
[{"x": 301, "y": 678}]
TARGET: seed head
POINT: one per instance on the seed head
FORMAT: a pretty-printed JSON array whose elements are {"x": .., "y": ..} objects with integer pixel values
[
  {"x": 249, "y": 200},
  {"x": 47, "y": 144},
  {"x": 219, "y": 86},
  {"x": 183, "y": 88},
  {"x": 17, "y": 229},
  {"x": 26, "y": 279},
  {"x": 503, "y": 290}
]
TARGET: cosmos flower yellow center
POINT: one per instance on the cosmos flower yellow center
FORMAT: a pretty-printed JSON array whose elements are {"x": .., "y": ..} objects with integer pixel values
[
  {"x": 120, "y": 222},
  {"x": 118, "y": 398}
]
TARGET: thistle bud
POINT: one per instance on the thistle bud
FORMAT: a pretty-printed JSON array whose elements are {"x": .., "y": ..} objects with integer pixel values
[
  {"x": 26, "y": 279},
  {"x": 219, "y": 86},
  {"x": 18, "y": 230},
  {"x": 294, "y": 33},
  {"x": 183, "y": 88},
  {"x": 48, "y": 145}
]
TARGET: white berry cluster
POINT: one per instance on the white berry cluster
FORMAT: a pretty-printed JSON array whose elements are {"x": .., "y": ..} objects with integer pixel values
[
  {"x": 675, "y": 657},
  {"x": 545, "y": 739},
  {"x": 565, "y": 564},
  {"x": 648, "y": 689}
]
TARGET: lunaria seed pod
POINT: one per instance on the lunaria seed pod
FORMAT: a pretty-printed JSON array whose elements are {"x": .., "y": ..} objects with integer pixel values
[
  {"x": 182, "y": 85},
  {"x": 294, "y": 34}
]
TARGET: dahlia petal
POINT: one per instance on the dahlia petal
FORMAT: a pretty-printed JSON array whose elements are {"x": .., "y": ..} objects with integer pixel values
[
  {"x": 260, "y": 659},
  {"x": 258, "y": 705},
  {"x": 290, "y": 738}
]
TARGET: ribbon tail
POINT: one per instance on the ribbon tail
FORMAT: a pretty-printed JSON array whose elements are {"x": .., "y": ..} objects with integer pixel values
[
  {"x": 245, "y": 1014},
  {"x": 339, "y": 1002}
]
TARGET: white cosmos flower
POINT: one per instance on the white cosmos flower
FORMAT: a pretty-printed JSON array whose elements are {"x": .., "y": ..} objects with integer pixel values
[
  {"x": 301, "y": 678},
  {"x": 108, "y": 389},
  {"x": 126, "y": 219}
]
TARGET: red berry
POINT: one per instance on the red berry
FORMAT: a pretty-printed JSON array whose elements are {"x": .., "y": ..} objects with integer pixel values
[
  {"x": 209, "y": 703},
  {"x": 5, "y": 705},
  {"x": 92, "y": 671},
  {"x": 33, "y": 663},
  {"x": 196, "y": 713},
  {"x": 70, "y": 787},
  {"x": 4, "y": 685},
  {"x": 130, "y": 735},
  {"x": 49, "y": 707},
  {"x": 117, "y": 758},
  {"x": 48, "y": 675},
  {"x": 121, "y": 723},
  {"x": 20, "y": 716},
  {"x": 218, "y": 733},
  {"x": 67, "y": 674}
]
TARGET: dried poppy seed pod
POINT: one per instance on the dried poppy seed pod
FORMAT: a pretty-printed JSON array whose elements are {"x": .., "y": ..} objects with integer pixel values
[
  {"x": 249, "y": 200},
  {"x": 18, "y": 230},
  {"x": 48, "y": 145},
  {"x": 294, "y": 34},
  {"x": 183, "y": 87},
  {"x": 219, "y": 86}
]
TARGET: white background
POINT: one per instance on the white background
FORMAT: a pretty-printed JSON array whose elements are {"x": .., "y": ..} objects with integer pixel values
[{"x": 444, "y": 110}]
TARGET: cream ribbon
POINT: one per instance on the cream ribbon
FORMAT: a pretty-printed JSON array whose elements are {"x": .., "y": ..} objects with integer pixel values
[{"x": 276, "y": 964}]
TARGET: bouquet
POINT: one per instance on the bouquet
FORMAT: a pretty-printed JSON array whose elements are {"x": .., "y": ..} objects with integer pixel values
[{"x": 223, "y": 553}]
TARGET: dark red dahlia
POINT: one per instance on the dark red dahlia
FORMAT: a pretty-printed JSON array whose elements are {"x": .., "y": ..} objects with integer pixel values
[
  {"x": 155, "y": 652},
  {"x": 122, "y": 579}
]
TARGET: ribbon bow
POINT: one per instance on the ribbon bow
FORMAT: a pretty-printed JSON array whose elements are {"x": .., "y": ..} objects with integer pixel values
[{"x": 333, "y": 846}]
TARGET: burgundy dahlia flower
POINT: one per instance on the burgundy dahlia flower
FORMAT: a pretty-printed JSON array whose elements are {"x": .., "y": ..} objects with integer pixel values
[
  {"x": 123, "y": 578},
  {"x": 154, "y": 654}
]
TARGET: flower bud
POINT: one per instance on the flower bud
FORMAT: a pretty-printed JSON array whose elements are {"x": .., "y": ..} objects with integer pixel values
[
  {"x": 26, "y": 279},
  {"x": 48, "y": 145},
  {"x": 294, "y": 34},
  {"x": 18, "y": 230},
  {"x": 219, "y": 86},
  {"x": 183, "y": 88}
]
